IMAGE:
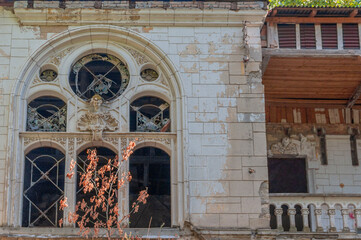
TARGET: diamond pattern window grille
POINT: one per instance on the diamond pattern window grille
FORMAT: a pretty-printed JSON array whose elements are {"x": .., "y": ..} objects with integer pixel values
[{"x": 43, "y": 187}]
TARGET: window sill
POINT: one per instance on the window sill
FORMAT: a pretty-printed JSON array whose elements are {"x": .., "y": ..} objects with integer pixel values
[{"x": 51, "y": 232}]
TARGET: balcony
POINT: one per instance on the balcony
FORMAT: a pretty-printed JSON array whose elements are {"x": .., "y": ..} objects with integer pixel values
[{"x": 315, "y": 213}]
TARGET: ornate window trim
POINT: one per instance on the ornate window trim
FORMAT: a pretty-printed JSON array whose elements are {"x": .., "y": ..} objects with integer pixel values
[{"x": 117, "y": 41}]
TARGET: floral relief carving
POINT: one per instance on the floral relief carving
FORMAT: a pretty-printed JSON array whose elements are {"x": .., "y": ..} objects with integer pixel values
[
  {"x": 97, "y": 120},
  {"x": 140, "y": 58},
  {"x": 113, "y": 140},
  {"x": 60, "y": 140},
  {"x": 57, "y": 59},
  {"x": 295, "y": 145},
  {"x": 71, "y": 147},
  {"x": 163, "y": 140}
]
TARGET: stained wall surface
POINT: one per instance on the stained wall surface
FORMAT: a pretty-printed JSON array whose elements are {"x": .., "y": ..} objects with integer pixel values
[{"x": 223, "y": 110}]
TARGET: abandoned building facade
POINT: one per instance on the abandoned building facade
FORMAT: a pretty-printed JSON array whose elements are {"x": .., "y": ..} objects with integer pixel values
[{"x": 246, "y": 120}]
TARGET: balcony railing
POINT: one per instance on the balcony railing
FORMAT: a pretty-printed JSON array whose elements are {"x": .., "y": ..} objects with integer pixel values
[{"x": 315, "y": 213}]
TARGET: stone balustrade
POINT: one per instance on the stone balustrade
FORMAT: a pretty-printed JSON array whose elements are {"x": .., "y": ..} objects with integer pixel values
[{"x": 315, "y": 212}]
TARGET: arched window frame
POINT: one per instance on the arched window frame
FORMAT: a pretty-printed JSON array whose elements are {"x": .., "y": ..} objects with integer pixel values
[{"x": 72, "y": 138}]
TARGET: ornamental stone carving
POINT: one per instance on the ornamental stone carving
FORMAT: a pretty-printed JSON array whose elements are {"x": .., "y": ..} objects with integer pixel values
[
  {"x": 294, "y": 145},
  {"x": 97, "y": 120}
]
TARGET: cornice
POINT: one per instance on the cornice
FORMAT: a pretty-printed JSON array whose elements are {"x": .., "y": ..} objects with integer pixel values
[{"x": 140, "y": 17}]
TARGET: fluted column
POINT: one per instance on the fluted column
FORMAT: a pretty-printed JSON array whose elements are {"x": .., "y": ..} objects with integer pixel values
[
  {"x": 332, "y": 213},
  {"x": 305, "y": 212},
  {"x": 278, "y": 213},
  {"x": 319, "y": 227},
  {"x": 345, "y": 216},
  {"x": 292, "y": 212}
]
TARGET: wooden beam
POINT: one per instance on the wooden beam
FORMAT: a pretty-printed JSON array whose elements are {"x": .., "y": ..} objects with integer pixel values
[
  {"x": 274, "y": 12},
  {"x": 313, "y": 13},
  {"x": 354, "y": 97},
  {"x": 310, "y": 52},
  {"x": 313, "y": 20},
  {"x": 353, "y": 13}
]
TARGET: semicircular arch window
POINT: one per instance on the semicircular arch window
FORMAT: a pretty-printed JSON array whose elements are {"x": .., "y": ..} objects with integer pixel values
[
  {"x": 99, "y": 73},
  {"x": 149, "y": 114},
  {"x": 46, "y": 114}
]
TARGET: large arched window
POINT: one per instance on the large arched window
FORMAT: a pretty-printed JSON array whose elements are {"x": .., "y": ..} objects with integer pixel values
[
  {"x": 46, "y": 114},
  {"x": 43, "y": 187},
  {"x": 60, "y": 105},
  {"x": 150, "y": 168},
  {"x": 149, "y": 114}
]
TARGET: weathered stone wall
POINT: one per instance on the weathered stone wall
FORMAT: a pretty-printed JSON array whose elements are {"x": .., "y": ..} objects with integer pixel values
[
  {"x": 339, "y": 175},
  {"x": 224, "y": 112}
]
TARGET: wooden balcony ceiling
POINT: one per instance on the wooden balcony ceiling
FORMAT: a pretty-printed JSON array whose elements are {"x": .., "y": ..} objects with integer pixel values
[{"x": 319, "y": 81}]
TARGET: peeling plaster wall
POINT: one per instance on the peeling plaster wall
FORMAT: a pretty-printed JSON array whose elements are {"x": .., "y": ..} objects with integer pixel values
[
  {"x": 224, "y": 113},
  {"x": 339, "y": 176}
]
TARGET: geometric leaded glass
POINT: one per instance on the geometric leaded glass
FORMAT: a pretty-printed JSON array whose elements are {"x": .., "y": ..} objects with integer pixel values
[
  {"x": 149, "y": 75},
  {"x": 46, "y": 114},
  {"x": 101, "y": 74},
  {"x": 149, "y": 114},
  {"x": 43, "y": 187}
]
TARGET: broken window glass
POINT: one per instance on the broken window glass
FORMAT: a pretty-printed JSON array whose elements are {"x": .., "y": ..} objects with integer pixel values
[
  {"x": 150, "y": 168},
  {"x": 99, "y": 73},
  {"x": 149, "y": 114},
  {"x": 43, "y": 187},
  {"x": 46, "y": 114}
]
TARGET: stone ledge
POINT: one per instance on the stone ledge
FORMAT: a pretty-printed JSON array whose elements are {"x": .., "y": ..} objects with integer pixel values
[
  {"x": 230, "y": 4},
  {"x": 140, "y": 17},
  {"x": 70, "y": 232}
]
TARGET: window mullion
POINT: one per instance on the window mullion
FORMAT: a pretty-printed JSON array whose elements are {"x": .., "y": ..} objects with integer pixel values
[{"x": 69, "y": 184}]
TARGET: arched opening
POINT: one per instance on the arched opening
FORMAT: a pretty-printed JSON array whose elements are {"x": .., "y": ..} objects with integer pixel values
[
  {"x": 43, "y": 187},
  {"x": 150, "y": 168},
  {"x": 46, "y": 114},
  {"x": 103, "y": 154},
  {"x": 149, "y": 114}
]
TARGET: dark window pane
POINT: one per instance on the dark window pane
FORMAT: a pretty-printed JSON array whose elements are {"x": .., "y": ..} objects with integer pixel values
[
  {"x": 102, "y": 74},
  {"x": 43, "y": 187},
  {"x": 150, "y": 168},
  {"x": 104, "y": 154},
  {"x": 307, "y": 35},
  {"x": 287, "y": 175},
  {"x": 287, "y": 35},
  {"x": 149, "y": 114}
]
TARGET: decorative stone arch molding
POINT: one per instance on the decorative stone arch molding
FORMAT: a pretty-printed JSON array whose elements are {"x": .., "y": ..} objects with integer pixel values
[{"x": 136, "y": 50}]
